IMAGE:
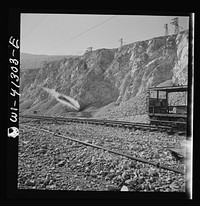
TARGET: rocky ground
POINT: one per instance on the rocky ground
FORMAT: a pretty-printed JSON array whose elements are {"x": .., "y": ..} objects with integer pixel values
[
  {"x": 132, "y": 110},
  {"x": 52, "y": 163}
]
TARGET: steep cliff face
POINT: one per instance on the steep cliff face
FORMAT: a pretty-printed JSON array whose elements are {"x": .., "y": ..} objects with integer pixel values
[
  {"x": 142, "y": 64},
  {"x": 108, "y": 75},
  {"x": 180, "y": 69},
  {"x": 81, "y": 78}
]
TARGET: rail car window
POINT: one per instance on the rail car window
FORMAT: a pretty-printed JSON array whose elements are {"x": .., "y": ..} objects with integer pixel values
[
  {"x": 153, "y": 94},
  {"x": 162, "y": 95}
]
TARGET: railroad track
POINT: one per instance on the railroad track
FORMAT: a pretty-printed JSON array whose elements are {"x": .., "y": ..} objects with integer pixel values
[
  {"x": 105, "y": 122},
  {"x": 103, "y": 148}
]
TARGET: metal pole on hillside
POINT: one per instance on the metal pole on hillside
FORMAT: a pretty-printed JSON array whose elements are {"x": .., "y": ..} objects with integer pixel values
[
  {"x": 166, "y": 30},
  {"x": 121, "y": 42},
  {"x": 175, "y": 22}
]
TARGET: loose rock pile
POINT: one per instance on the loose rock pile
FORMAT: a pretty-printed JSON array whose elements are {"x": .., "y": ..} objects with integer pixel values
[
  {"x": 53, "y": 163},
  {"x": 133, "y": 109}
]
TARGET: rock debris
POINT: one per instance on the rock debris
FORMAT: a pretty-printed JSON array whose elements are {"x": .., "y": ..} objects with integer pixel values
[{"x": 52, "y": 163}]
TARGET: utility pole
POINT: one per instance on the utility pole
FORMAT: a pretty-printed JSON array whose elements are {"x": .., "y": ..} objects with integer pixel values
[
  {"x": 175, "y": 22},
  {"x": 121, "y": 42},
  {"x": 166, "y": 30},
  {"x": 89, "y": 49}
]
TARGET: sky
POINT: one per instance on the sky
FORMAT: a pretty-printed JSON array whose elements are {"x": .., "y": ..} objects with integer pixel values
[{"x": 72, "y": 34}]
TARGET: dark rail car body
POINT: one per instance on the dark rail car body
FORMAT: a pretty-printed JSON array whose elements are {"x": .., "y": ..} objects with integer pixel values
[{"x": 161, "y": 110}]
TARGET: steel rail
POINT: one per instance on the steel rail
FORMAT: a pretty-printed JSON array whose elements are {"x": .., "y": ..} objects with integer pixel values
[
  {"x": 108, "y": 150},
  {"x": 99, "y": 121}
]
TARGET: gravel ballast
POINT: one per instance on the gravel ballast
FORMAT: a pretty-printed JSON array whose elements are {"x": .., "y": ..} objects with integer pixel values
[{"x": 50, "y": 162}]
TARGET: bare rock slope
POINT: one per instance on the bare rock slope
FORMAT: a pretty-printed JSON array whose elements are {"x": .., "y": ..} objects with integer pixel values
[{"x": 108, "y": 83}]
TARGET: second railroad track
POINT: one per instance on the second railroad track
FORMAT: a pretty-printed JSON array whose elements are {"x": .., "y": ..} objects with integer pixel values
[{"x": 105, "y": 122}]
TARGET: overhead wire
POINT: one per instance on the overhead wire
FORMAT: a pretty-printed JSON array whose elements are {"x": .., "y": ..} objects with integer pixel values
[
  {"x": 81, "y": 33},
  {"x": 32, "y": 28}
]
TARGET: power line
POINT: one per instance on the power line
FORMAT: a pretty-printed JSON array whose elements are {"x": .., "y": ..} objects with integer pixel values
[
  {"x": 34, "y": 26},
  {"x": 81, "y": 33}
]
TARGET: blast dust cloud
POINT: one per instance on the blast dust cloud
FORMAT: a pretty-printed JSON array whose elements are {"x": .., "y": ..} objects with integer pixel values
[{"x": 63, "y": 99}]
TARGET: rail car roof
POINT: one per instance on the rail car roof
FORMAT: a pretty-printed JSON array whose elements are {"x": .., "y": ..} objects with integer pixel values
[{"x": 170, "y": 88}]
